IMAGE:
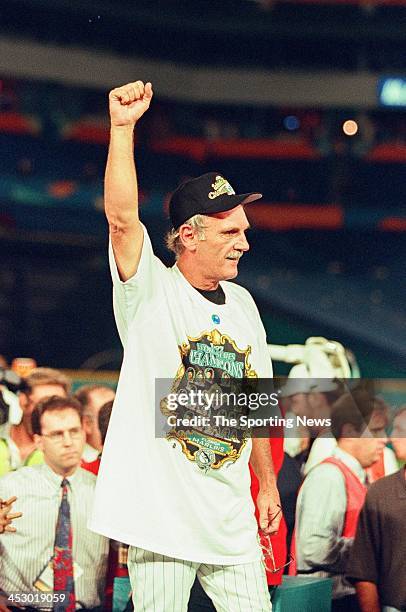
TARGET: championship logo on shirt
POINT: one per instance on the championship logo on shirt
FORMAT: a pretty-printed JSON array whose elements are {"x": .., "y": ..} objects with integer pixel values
[{"x": 213, "y": 373}]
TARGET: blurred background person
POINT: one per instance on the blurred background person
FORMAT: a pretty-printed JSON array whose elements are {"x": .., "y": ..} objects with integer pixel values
[
  {"x": 312, "y": 399},
  {"x": 55, "y": 499},
  {"x": 118, "y": 552},
  {"x": 378, "y": 423},
  {"x": 398, "y": 435},
  {"x": 17, "y": 444},
  {"x": 92, "y": 398},
  {"x": 377, "y": 562},
  {"x": 103, "y": 419},
  {"x": 330, "y": 500}
]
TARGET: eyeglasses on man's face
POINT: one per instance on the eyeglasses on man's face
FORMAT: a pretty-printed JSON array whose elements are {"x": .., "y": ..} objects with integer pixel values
[{"x": 59, "y": 436}]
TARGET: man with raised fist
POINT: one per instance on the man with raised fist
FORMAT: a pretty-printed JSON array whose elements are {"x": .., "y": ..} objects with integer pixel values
[{"x": 183, "y": 501}]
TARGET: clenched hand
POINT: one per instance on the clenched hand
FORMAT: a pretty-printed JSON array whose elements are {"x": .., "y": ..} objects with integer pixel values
[{"x": 129, "y": 102}]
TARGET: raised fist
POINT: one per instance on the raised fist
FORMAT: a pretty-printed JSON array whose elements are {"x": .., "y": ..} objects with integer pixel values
[{"x": 129, "y": 102}]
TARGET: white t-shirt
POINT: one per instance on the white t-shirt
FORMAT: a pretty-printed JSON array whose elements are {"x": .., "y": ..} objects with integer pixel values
[{"x": 152, "y": 492}]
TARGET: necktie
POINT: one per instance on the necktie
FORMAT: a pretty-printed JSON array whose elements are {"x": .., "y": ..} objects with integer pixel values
[{"x": 62, "y": 560}]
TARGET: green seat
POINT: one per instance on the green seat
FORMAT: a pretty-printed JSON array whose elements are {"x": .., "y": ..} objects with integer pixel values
[
  {"x": 121, "y": 593},
  {"x": 303, "y": 594}
]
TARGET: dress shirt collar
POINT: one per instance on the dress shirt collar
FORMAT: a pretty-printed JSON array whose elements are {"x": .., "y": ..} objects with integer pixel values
[
  {"x": 351, "y": 462},
  {"x": 56, "y": 479}
]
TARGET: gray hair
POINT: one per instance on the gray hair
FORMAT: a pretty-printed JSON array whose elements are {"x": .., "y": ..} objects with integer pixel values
[{"x": 173, "y": 241}]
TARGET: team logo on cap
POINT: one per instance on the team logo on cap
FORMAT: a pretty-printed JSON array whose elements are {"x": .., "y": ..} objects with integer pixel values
[{"x": 220, "y": 186}]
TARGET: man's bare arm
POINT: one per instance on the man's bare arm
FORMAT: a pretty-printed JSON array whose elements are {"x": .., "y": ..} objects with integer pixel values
[
  {"x": 127, "y": 104},
  {"x": 368, "y": 598},
  {"x": 268, "y": 501}
]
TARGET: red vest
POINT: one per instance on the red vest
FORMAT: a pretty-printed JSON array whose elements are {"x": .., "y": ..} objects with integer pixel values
[{"x": 355, "y": 492}]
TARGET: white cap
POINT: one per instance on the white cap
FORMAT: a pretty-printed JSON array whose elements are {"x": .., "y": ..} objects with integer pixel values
[{"x": 299, "y": 381}]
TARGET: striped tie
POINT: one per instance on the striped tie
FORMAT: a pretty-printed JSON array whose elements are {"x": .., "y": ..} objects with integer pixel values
[{"x": 62, "y": 560}]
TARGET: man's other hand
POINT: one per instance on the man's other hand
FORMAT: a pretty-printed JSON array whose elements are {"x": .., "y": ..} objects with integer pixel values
[{"x": 6, "y": 516}]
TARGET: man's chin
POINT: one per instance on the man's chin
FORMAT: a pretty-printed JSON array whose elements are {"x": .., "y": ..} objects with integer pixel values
[
  {"x": 232, "y": 271},
  {"x": 71, "y": 460},
  {"x": 375, "y": 458}
]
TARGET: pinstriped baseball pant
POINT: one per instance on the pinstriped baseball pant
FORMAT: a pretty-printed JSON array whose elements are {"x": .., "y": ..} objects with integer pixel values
[{"x": 162, "y": 584}]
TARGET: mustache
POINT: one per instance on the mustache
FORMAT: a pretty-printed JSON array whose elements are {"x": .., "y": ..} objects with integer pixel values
[{"x": 234, "y": 255}]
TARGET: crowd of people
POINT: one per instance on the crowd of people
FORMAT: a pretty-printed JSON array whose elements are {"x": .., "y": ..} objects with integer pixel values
[
  {"x": 343, "y": 462},
  {"x": 346, "y": 528},
  {"x": 58, "y": 440}
]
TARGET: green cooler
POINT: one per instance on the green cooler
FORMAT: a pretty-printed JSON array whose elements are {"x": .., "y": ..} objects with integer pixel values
[{"x": 303, "y": 594}]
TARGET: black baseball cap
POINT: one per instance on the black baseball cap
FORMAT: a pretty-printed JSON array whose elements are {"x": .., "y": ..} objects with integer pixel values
[{"x": 205, "y": 195}]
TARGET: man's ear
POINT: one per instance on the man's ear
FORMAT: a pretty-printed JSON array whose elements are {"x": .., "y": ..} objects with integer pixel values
[
  {"x": 87, "y": 422},
  {"x": 39, "y": 442},
  {"x": 23, "y": 399},
  {"x": 188, "y": 237}
]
